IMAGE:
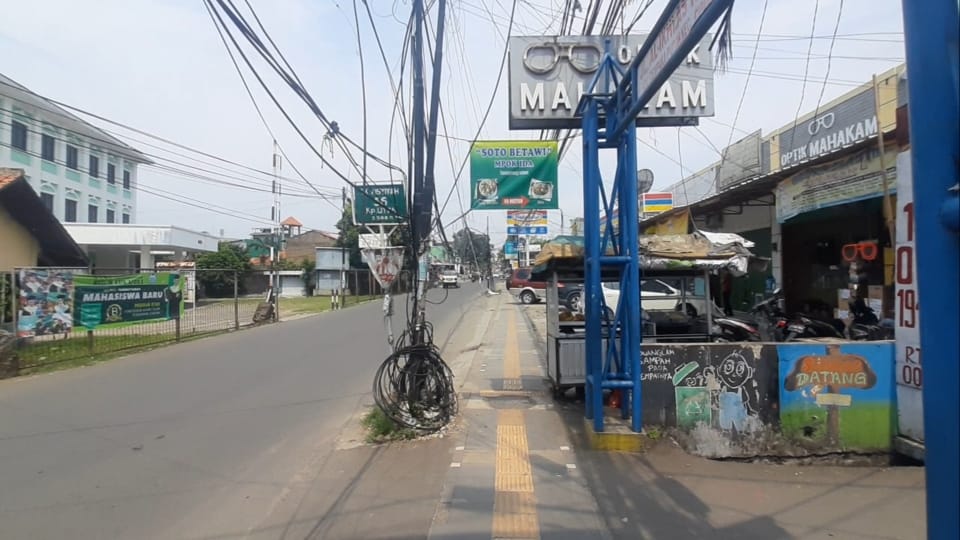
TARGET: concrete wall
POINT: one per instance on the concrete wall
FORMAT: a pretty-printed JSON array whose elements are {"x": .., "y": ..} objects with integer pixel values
[
  {"x": 17, "y": 246},
  {"x": 795, "y": 399}
]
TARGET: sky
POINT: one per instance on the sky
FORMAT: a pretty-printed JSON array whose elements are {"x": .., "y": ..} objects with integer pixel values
[{"x": 159, "y": 66}]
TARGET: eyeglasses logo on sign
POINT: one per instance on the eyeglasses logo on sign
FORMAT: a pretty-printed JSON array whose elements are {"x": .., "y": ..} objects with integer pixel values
[{"x": 821, "y": 122}]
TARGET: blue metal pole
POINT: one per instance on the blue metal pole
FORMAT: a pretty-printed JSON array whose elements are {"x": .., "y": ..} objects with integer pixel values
[
  {"x": 591, "y": 261},
  {"x": 931, "y": 33},
  {"x": 630, "y": 228}
]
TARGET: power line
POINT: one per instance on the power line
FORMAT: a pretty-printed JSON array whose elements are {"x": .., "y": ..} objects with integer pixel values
[
  {"x": 836, "y": 27},
  {"x": 806, "y": 69}
]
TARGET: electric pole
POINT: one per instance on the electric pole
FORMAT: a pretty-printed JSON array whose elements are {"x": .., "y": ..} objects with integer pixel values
[{"x": 277, "y": 232}]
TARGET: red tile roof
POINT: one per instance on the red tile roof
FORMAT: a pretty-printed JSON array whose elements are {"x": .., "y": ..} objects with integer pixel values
[
  {"x": 9, "y": 176},
  {"x": 291, "y": 222}
]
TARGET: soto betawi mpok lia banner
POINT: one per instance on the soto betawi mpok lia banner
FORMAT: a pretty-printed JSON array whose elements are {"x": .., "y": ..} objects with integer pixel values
[{"x": 113, "y": 300}]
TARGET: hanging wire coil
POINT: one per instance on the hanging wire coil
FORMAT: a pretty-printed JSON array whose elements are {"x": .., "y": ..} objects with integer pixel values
[{"x": 414, "y": 386}]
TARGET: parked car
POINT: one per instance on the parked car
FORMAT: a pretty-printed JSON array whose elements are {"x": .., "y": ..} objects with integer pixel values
[
  {"x": 529, "y": 291},
  {"x": 449, "y": 278},
  {"x": 655, "y": 295}
]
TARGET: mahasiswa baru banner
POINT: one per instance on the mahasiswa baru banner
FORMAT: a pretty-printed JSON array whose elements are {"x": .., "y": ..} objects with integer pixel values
[
  {"x": 101, "y": 301},
  {"x": 384, "y": 263}
]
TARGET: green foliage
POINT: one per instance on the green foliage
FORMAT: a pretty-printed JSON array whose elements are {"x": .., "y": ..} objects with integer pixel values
[
  {"x": 380, "y": 428},
  {"x": 216, "y": 271},
  {"x": 309, "y": 275},
  {"x": 349, "y": 237},
  {"x": 472, "y": 247}
]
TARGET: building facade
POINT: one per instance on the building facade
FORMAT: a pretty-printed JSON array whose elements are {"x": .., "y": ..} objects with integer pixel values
[{"x": 82, "y": 173}]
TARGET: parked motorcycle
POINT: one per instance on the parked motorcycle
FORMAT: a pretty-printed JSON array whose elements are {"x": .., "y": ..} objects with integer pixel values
[{"x": 866, "y": 326}]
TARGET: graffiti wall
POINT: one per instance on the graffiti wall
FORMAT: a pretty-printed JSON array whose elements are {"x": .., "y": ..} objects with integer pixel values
[
  {"x": 838, "y": 396},
  {"x": 743, "y": 400}
]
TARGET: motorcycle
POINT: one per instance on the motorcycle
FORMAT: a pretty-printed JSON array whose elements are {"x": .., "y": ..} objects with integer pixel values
[
  {"x": 866, "y": 326},
  {"x": 765, "y": 324}
]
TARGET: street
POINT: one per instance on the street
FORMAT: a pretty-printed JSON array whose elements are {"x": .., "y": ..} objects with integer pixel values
[{"x": 218, "y": 438}]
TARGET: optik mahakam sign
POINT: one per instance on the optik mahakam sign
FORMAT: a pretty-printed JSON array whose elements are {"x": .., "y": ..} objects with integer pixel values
[
  {"x": 549, "y": 74},
  {"x": 847, "y": 123}
]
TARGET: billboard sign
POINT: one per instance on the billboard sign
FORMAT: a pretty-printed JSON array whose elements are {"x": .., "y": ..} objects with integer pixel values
[
  {"x": 526, "y": 230},
  {"x": 45, "y": 301},
  {"x": 549, "y": 74},
  {"x": 510, "y": 175},
  {"x": 656, "y": 202},
  {"x": 847, "y": 123},
  {"x": 111, "y": 300},
  {"x": 379, "y": 204},
  {"x": 740, "y": 161},
  {"x": 384, "y": 263},
  {"x": 526, "y": 217}
]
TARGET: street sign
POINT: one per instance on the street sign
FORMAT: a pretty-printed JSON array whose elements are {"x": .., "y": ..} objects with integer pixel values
[
  {"x": 509, "y": 248},
  {"x": 525, "y": 218},
  {"x": 506, "y": 175},
  {"x": 526, "y": 230},
  {"x": 379, "y": 204},
  {"x": 374, "y": 241}
]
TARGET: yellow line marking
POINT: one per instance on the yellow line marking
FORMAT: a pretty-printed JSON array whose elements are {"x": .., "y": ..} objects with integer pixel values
[{"x": 515, "y": 504}]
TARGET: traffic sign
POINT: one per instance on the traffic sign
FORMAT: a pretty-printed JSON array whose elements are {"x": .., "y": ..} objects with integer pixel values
[
  {"x": 526, "y": 230},
  {"x": 379, "y": 204}
]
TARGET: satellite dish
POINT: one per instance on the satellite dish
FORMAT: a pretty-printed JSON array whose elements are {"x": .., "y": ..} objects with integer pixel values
[{"x": 644, "y": 180}]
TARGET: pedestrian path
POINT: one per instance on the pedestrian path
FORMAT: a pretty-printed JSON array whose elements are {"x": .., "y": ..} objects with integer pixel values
[{"x": 513, "y": 473}]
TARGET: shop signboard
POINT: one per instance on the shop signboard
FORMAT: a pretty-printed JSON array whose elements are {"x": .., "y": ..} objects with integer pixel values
[
  {"x": 549, "y": 74},
  {"x": 115, "y": 300},
  {"x": 849, "y": 179},
  {"x": 526, "y": 230},
  {"x": 379, "y": 204},
  {"x": 514, "y": 175},
  {"x": 740, "y": 162},
  {"x": 696, "y": 187},
  {"x": 45, "y": 301},
  {"x": 909, "y": 370},
  {"x": 654, "y": 203},
  {"x": 847, "y": 123},
  {"x": 526, "y": 218}
]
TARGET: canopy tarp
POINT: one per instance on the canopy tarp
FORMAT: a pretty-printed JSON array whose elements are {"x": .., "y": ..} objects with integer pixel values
[{"x": 697, "y": 251}]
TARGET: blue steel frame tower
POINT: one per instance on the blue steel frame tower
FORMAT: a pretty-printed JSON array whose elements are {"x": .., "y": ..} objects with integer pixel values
[{"x": 608, "y": 111}]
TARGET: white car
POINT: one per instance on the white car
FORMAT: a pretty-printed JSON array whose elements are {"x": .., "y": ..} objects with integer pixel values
[{"x": 656, "y": 295}]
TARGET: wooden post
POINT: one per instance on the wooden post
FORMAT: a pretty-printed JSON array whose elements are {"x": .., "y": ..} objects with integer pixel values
[
  {"x": 236, "y": 300},
  {"x": 90, "y": 343}
]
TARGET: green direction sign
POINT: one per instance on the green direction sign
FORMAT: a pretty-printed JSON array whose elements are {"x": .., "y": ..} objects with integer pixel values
[
  {"x": 113, "y": 300},
  {"x": 379, "y": 204},
  {"x": 510, "y": 175}
]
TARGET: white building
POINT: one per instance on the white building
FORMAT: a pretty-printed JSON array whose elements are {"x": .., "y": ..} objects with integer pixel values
[{"x": 82, "y": 173}]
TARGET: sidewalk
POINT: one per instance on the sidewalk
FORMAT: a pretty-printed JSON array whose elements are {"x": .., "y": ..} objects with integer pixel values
[{"x": 665, "y": 493}]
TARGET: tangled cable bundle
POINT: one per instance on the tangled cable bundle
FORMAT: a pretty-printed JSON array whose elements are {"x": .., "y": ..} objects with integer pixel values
[{"x": 414, "y": 386}]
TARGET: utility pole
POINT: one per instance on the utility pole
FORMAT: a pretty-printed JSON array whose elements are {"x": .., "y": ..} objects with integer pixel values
[
  {"x": 561, "y": 222},
  {"x": 277, "y": 232},
  {"x": 931, "y": 40},
  {"x": 343, "y": 250}
]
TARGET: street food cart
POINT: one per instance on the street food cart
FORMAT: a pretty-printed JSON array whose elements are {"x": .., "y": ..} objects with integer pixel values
[{"x": 685, "y": 261}]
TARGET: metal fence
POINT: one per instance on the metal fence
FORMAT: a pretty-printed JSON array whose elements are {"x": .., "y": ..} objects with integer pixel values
[{"x": 214, "y": 301}]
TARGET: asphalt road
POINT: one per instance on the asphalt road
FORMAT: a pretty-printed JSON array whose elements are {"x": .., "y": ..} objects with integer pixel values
[{"x": 198, "y": 440}]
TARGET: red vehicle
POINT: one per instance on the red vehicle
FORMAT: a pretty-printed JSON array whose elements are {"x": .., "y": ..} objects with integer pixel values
[{"x": 528, "y": 291}]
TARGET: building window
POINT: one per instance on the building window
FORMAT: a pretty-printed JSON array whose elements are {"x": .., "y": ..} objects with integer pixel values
[
  {"x": 94, "y": 166},
  {"x": 92, "y": 213},
  {"x": 73, "y": 157},
  {"x": 18, "y": 135},
  {"x": 47, "y": 199},
  {"x": 126, "y": 179},
  {"x": 126, "y": 218},
  {"x": 48, "y": 147},
  {"x": 70, "y": 211},
  {"x": 111, "y": 173},
  {"x": 111, "y": 216}
]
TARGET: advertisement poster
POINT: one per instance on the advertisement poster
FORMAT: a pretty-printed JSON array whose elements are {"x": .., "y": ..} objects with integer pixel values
[
  {"x": 845, "y": 180},
  {"x": 909, "y": 370},
  {"x": 514, "y": 175},
  {"x": 45, "y": 301},
  {"x": 111, "y": 300},
  {"x": 384, "y": 263}
]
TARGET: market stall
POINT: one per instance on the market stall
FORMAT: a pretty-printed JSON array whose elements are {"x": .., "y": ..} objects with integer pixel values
[{"x": 677, "y": 306}]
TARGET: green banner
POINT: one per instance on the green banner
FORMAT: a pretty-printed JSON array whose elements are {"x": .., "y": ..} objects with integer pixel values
[
  {"x": 511, "y": 175},
  {"x": 119, "y": 300}
]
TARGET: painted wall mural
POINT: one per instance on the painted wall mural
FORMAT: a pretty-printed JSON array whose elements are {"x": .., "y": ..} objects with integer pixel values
[{"x": 838, "y": 396}]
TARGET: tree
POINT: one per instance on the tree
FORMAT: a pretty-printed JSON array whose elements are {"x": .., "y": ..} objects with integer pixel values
[
  {"x": 472, "y": 247},
  {"x": 349, "y": 237},
  {"x": 309, "y": 267},
  {"x": 216, "y": 271}
]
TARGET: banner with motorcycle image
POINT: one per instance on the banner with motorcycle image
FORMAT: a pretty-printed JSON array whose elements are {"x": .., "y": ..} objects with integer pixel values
[
  {"x": 103, "y": 301},
  {"x": 385, "y": 264}
]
